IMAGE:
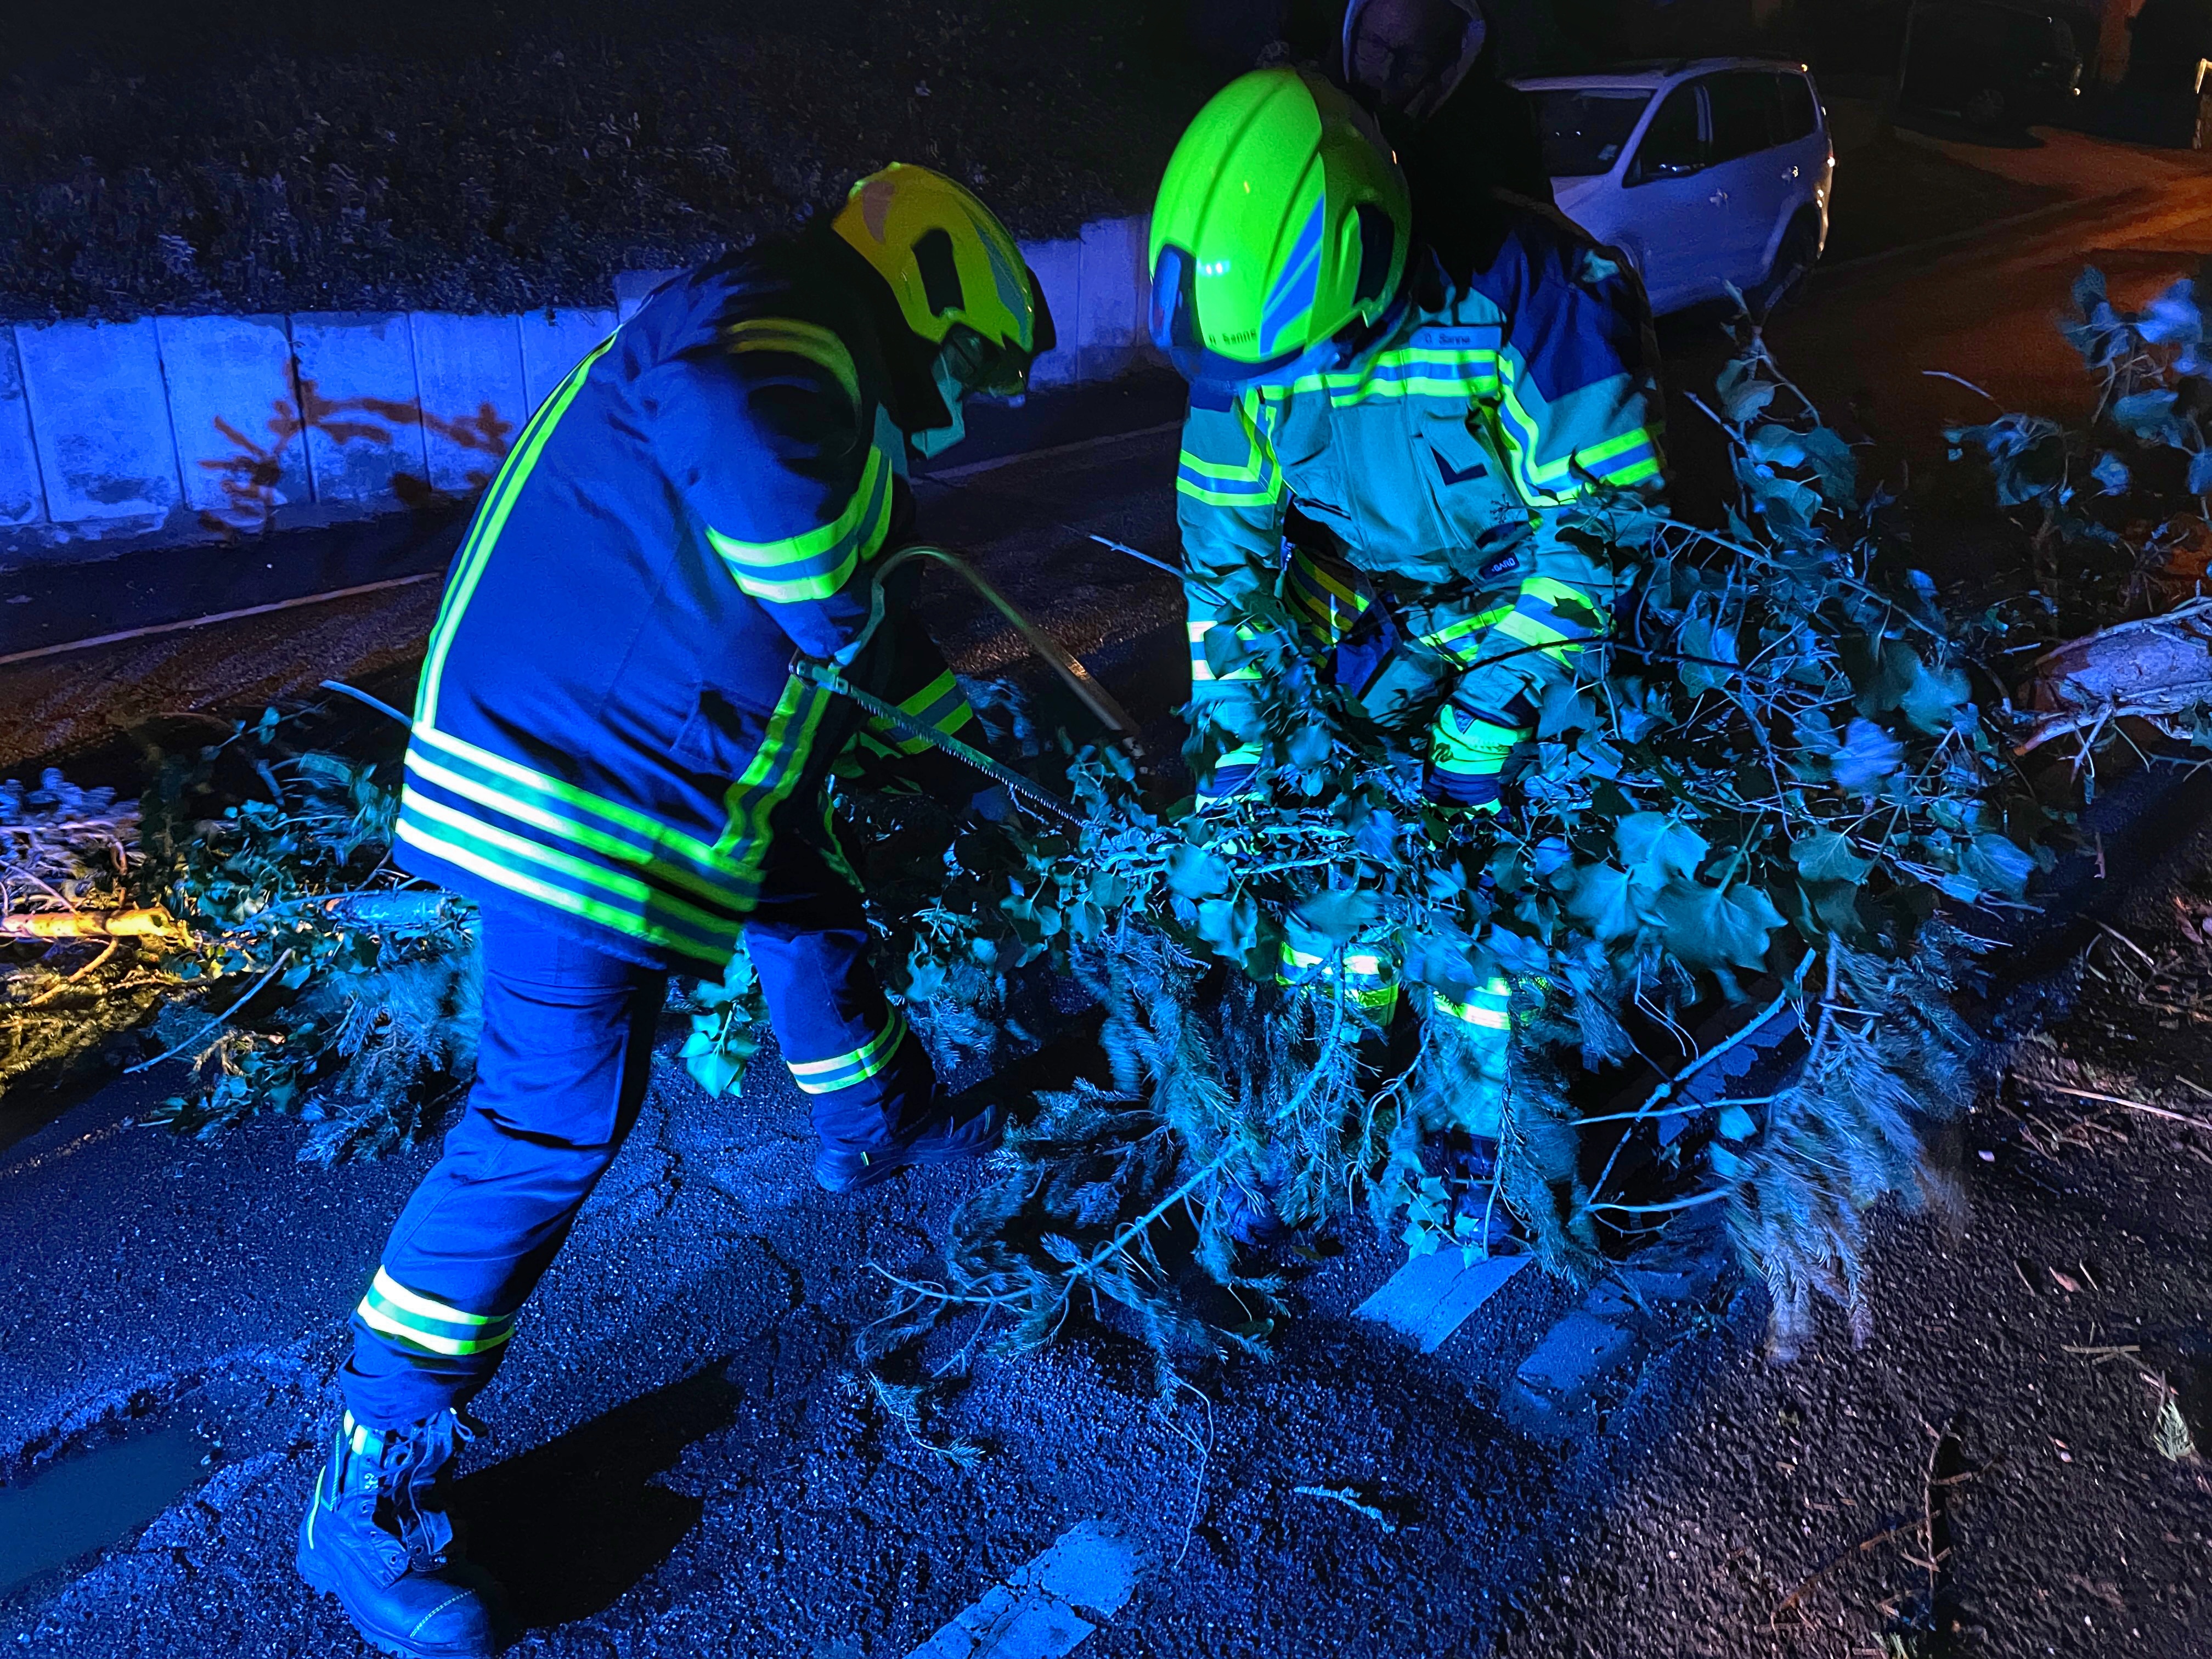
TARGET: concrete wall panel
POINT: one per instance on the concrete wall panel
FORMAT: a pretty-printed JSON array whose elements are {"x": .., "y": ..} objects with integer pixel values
[
  {"x": 1113, "y": 298},
  {"x": 1058, "y": 266},
  {"x": 468, "y": 373},
  {"x": 362, "y": 407},
  {"x": 555, "y": 341},
  {"x": 22, "y": 492},
  {"x": 234, "y": 411},
  {"x": 101, "y": 417}
]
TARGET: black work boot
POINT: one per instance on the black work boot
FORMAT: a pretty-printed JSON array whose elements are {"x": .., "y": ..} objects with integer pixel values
[
  {"x": 842, "y": 1168},
  {"x": 376, "y": 1536}
]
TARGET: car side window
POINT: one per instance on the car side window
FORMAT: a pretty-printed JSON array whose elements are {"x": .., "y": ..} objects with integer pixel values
[
  {"x": 1799, "y": 119},
  {"x": 1673, "y": 145},
  {"x": 1747, "y": 113}
]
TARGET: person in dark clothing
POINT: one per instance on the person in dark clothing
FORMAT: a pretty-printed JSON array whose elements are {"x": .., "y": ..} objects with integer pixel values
[
  {"x": 2170, "y": 38},
  {"x": 1424, "y": 69}
]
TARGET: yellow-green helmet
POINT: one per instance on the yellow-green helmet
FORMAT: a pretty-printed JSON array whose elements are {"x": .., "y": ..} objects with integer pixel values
[
  {"x": 1282, "y": 219},
  {"x": 951, "y": 264}
]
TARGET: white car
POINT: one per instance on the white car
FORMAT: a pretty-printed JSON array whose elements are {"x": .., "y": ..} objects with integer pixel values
[{"x": 1704, "y": 173}]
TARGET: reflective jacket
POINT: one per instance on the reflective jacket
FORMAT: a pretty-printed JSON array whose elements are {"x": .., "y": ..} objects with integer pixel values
[
  {"x": 607, "y": 728},
  {"x": 1484, "y": 407}
]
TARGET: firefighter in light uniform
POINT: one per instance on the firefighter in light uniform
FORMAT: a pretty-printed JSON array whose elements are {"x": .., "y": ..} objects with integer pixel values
[
  {"x": 1385, "y": 447},
  {"x": 611, "y": 756}
]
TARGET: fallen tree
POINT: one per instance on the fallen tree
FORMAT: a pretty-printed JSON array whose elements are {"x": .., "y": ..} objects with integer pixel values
[{"x": 1727, "y": 898}]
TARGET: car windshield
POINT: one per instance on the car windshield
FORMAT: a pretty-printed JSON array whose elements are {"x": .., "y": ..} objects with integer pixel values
[{"x": 1585, "y": 128}]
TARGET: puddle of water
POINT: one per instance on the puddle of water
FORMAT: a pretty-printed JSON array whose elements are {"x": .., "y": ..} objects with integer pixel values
[{"x": 74, "y": 1506}]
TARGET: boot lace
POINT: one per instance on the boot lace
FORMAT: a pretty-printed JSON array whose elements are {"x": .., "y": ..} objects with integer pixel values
[{"x": 416, "y": 1463}]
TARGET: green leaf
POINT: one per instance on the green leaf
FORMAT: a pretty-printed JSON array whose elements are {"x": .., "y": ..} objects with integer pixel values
[
  {"x": 1937, "y": 701},
  {"x": 1195, "y": 873},
  {"x": 1341, "y": 916},
  {"x": 1826, "y": 855},
  {"x": 1308, "y": 745},
  {"x": 1600, "y": 901},
  {"x": 1225, "y": 651},
  {"x": 1716, "y": 927},
  {"x": 1737, "y": 1124},
  {"x": 1868, "y": 754},
  {"x": 714, "y": 1069},
  {"x": 1655, "y": 847},
  {"x": 1998, "y": 865},
  {"x": 2146, "y": 414},
  {"x": 1743, "y": 397},
  {"x": 1703, "y": 637},
  {"x": 1831, "y": 458},
  {"x": 1230, "y": 927}
]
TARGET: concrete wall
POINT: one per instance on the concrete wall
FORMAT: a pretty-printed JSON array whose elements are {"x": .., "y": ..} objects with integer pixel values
[{"x": 192, "y": 427}]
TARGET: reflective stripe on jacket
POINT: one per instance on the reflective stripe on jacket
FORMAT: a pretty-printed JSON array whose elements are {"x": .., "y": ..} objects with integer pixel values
[
  {"x": 607, "y": 728},
  {"x": 1486, "y": 407}
]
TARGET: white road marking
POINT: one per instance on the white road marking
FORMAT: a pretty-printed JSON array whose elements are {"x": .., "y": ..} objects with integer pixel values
[
  {"x": 1432, "y": 1296},
  {"x": 1046, "y": 1607}
]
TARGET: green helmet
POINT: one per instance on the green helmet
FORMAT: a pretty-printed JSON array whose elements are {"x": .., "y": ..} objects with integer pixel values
[{"x": 1282, "y": 219}]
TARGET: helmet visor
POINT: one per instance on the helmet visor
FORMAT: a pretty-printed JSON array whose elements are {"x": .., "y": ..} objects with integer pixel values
[
  {"x": 998, "y": 370},
  {"x": 1176, "y": 331}
]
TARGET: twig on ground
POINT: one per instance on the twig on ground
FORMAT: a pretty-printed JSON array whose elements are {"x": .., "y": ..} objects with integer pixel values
[
  {"x": 1350, "y": 1497},
  {"x": 217, "y": 1023},
  {"x": 2101, "y": 1355},
  {"x": 2106, "y": 927},
  {"x": 1789, "y": 1603},
  {"x": 1205, "y": 1449},
  {"x": 2122, "y": 1100}
]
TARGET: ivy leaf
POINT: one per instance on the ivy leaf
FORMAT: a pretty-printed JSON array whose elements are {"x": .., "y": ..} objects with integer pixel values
[
  {"x": 1743, "y": 395},
  {"x": 1868, "y": 754},
  {"x": 2173, "y": 318},
  {"x": 2146, "y": 414},
  {"x": 1826, "y": 855},
  {"x": 2111, "y": 473},
  {"x": 1655, "y": 847},
  {"x": 1377, "y": 836},
  {"x": 1737, "y": 1124},
  {"x": 1717, "y": 928},
  {"x": 1340, "y": 915},
  {"x": 1600, "y": 901},
  {"x": 1997, "y": 864},
  {"x": 1225, "y": 651},
  {"x": 2200, "y": 473},
  {"x": 1938, "y": 700},
  {"x": 1195, "y": 873},
  {"x": 1833, "y": 908},
  {"x": 1230, "y": 927},
  {"x": 1703, "y": 637},
  {"x": 1308, "y": 745},
  {"x": 1839, "y": 469}
]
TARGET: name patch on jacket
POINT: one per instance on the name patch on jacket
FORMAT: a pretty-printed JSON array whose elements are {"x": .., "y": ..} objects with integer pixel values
[{"x": 1457, "y": 336}]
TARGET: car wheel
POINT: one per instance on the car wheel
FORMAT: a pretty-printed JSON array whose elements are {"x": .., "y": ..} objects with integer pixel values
[
  {"x": 1986, "y": 108},
  {"x": 1793, "y": 263}
]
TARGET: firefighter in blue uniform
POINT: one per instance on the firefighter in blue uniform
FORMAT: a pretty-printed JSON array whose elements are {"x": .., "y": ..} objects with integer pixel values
[
  {"x": 612, "y": 755},
  {"x": 1392, "y": 448}
]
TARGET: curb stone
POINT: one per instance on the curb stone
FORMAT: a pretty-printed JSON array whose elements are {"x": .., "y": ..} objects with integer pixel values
[{"x": 1592, "y": 1361}]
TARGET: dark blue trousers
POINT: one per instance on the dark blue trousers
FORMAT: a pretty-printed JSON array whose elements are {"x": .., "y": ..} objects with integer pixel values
[{"x": 561, "y": 1069}]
